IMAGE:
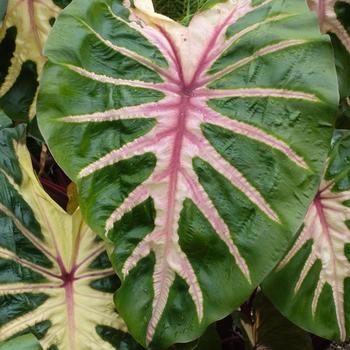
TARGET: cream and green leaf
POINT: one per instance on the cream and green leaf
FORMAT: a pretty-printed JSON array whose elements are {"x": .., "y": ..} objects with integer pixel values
[
  {"x": 311, "y": 285},
  {"x": 55, "y": 278},
  {"x": 31, "y": 21}
]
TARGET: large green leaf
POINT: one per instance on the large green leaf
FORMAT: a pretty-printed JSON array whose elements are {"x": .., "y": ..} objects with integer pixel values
[
  {"x": 196, "y": 152},
  {"x": 55, "y": 277},
  {"x": 311, "y": 285}
]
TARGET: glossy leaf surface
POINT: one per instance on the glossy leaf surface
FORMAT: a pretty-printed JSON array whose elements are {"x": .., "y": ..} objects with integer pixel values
[
  {"x": 311, "y": 285},
  {"x": 196, "y": 152},
  {"x": 55, "y": 278}
]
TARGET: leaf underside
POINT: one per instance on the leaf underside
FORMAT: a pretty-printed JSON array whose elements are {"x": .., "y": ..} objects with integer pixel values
[
  {"x": 55, "y": 278},
  {"x": 182, "y": 140},
  {"x": 315, "y": 273}
]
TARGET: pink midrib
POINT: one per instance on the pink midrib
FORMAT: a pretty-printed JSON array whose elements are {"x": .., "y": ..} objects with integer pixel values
[
  {"x": 68, "y": 285},
  {"x": 175, "y": 161},
  {"x": 187, "y": 91},
  {"x": 202, "y": 63}
]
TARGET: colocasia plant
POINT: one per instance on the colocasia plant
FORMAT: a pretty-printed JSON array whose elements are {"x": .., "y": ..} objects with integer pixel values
[
  {"x": 201, "y": 138},
  {"x": 55, "y": 276}
]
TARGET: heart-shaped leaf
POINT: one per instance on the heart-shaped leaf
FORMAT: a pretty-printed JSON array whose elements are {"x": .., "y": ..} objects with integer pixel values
[
  {"x": 311, "y": 285},
  {"x": 55, "y": 277},
  {"x": 196, "y": 149}
]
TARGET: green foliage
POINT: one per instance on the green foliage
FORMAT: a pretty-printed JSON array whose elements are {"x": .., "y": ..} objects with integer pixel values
[
  {"x": 24, "y": 342},
  {"x": 266, "y": 328},
  {"x": 183, "y": 10}
]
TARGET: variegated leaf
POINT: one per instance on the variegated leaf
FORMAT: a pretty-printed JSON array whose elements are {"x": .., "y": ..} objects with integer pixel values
[
  {"x": 196, "y": 149},
  {"x": 55, "y": 277},
  {"x": 311, "y": 285},
  {"x": 31, "y": 21}
]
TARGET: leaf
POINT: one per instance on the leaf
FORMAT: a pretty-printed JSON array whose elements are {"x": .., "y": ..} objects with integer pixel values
[
  {"x": 196, "y": 153},
  {"x": 315, "y": 273},
  {"x": 31, "y": 19},
  {"x": 334, "y": 18},
  {"x": 55, "y": 278},
  {"x": 25, "y": 342},
  {"x": 271, "y": 331}
]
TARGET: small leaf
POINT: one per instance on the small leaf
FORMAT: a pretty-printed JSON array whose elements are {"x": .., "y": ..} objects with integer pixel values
[
  {"x": 311, "y": 284},
  {"x": 55, "y": 277},
  {"x": 24, "y": 342}
]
